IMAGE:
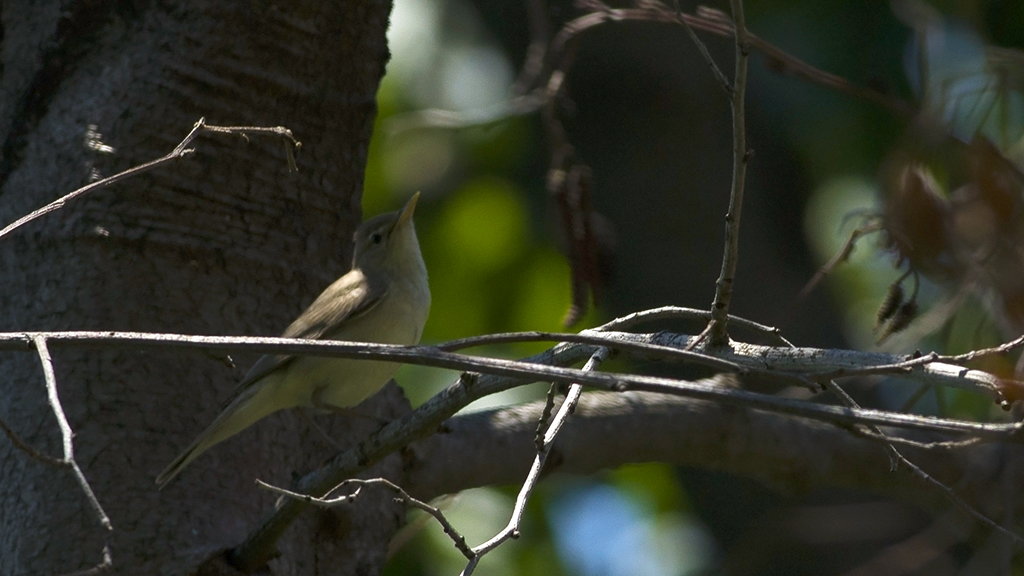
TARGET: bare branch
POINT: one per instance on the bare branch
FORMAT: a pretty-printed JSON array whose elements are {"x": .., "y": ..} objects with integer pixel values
[
  {"x": 800, "y": 363},
  {"x": 703, "y": 49},
  {"x": 678, "y": 312},
  {"x": 537, "y": 51},
  {"x": 1004, "y": 348},
  {"x": 785, "y": 362},
  {"x": 65, "y": 430},
  {"x": 898, "y": 459},
  {"x": 511, "y": 529},
  {"x": 820, "y": 364},
  {"x": 179, "y": 151},
  {"x": 719, "y": 335},
  {"x": 403, "y": 497},
  {"x": 106, "y": 564},
  {"x": 27, "y": 449},
  {"x": 68, "y": 460},
  {"x": 842, "y": 256}
]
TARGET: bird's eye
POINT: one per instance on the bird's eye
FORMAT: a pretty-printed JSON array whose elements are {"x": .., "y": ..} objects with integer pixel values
[{"x": 376, "y": 238}]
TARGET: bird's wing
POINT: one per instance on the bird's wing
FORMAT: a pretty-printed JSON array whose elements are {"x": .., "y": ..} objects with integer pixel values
[{"x": 349, "y": 297}]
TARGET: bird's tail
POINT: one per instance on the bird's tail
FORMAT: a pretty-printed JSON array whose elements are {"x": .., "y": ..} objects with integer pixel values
[{"x": 248, "y": 407}]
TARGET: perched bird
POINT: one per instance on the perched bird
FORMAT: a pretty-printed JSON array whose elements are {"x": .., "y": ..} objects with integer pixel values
[{"x": 384, "y": 298}]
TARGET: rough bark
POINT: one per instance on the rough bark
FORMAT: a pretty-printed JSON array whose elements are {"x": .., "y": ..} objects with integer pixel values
[{"x": 224, "y": 242}]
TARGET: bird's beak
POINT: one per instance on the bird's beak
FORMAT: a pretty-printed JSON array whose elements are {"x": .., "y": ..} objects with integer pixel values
[{"x": 410, "y": 207}]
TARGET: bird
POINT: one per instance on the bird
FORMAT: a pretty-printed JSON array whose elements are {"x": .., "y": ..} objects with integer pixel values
[{"x": 384, "y": 298}]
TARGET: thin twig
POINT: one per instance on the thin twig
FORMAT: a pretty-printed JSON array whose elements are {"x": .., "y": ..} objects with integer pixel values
[
  {"x": 956, "y": 500},
  {"x": 692, "y": 345},
  {"x": 537, "y": 51},
  {"x": 27, "y": 449},
  {"x": 598, "y": 339},
  {"x": 1004, "y": 348},
  {"x": 717, "y": 22},
  {"x": 707, "y": 20},
  {"x": 679, "y": 312},
  {"x": 106, "y": 564},
  {"x": 65, "y": 430},
  {"x": 455, "y": 120},
  {"x": 179, "y": 151},
  {"x": 572, "y": 398},
  {"x": 527, "y": 96},
  {"x": 545, "y": 416},
  {"x": 69, "y": 450},
  {"x": 511, "y": 529},
  {"x": 703, "y": 49},
  {"x": 917, "y": 444},
  {"x": 894, "y": 456},
  {"x": 740, "y": 155},
  {"x": 403, "y": 497},
  {"x": 898, "y": 459},
  {"x": 843, "y": 254}
]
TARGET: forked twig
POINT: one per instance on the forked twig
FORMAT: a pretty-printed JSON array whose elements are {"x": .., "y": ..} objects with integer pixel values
[
  {"x": 842, "y": 256},
  {"x": 403, "y": 497},
  {"x": 67, "y": 444},
  {"x": 106, "y": 564},
  {"x": 65, "y": 430},
  {"x": 723, "y": 82},
  {"x": 180, "y": 151},
  {"x": 898, "y": 459},
  {"x": 25, "y": 447},
  {"x": 511, "y": 529}
]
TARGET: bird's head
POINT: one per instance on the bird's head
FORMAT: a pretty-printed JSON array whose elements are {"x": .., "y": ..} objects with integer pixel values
[{"x": 388, "y": 242}]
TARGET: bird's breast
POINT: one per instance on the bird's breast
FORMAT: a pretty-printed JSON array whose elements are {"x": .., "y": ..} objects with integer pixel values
[{"x": 343, "y": 382}]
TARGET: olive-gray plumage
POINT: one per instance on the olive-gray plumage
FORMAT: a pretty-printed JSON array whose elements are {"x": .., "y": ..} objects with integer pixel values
[{"x": 383, "y": 298}]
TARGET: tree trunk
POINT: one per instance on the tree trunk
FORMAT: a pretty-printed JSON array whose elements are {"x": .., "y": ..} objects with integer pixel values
[{"x": 226, "y": 241}]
